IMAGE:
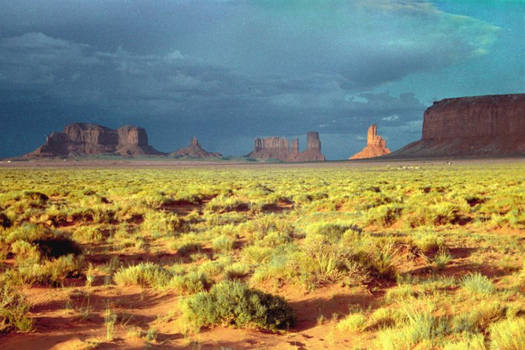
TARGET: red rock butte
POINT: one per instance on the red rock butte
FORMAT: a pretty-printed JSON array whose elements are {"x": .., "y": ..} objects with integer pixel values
[
  {"x": 279, "y": 148},
  {"x": 80, "y": 139},
  {"x": 194, "y": 150},
  {"x": 375, "y": 145},
  {"x": 492, "y": 125}
]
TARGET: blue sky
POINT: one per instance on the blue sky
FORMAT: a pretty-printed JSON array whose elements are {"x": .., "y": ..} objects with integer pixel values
[{"x": 230, "y": 70}]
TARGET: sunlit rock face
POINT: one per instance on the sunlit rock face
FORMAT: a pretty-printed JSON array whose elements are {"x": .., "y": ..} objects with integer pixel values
[
  {"x": 80, "y": 139},
  {"x": 375, "y": 145},
  {"x": 279, "y": 148},
  {"x": 491, "y": 125}
]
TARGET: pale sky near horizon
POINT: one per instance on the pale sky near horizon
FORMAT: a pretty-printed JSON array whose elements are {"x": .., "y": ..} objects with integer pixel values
[{"x": 230, "y": 70}]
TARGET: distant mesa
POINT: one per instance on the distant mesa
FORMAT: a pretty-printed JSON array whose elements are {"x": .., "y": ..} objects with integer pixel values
[
  {"x": 81, "y": 139},
  {"x": 194, "y": 150},
  {"x": 279, "y": 148},
  {"x": 375, "y": 145},
  {"x": 492, "y": 125}
]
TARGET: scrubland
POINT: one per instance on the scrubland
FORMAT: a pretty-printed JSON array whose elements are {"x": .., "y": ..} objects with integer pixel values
[{"x": 386, "y": 256}]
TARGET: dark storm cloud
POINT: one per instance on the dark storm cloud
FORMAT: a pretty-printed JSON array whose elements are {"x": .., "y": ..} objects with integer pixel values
[{"x": 225, "y": 70}]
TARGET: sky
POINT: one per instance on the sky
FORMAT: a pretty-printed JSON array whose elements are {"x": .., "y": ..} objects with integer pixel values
[{"x": 228, "y": 71}]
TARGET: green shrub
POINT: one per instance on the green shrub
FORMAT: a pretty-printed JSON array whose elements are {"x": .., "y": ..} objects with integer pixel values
[
  {"x": 508, "y": 334},
  {"x": 232, "y": 303},
  {"x": 472, "y": 342},
  {"x": 332, "y": 231},
  {"x": 13, "y": 309},
  {"x": 353, "y": 322},
  {"x": 478, "y": 284},
  {"x": 190, "y": 283},
  {"x": 144, "y": 275},
  {"x": 479, "y": 317},
  {"x": 223, "y": 243},
  {"x": 51, "y": 272}
]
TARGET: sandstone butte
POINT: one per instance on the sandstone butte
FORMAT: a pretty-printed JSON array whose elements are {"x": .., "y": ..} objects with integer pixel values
[
  {"x": 375, "y": 145},
  {"x": 492, "y": 125},
  {"x": 279, "y": 148},
  {"x": 194, "y": 150},
  {"x": 79, "y": 139}
]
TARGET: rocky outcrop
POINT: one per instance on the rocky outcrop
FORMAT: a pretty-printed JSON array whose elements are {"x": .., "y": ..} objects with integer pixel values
[
  {"x": 375, "y": 145},
  {"x": 194, "y": 150},
  {"x": 471, "y": 126},
  {"x": 80, "y": 139},
  {"x": 279, "y": 148}
]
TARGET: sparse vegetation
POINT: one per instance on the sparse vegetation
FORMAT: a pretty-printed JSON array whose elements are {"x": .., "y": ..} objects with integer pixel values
[{"x": 430, "y": 257}]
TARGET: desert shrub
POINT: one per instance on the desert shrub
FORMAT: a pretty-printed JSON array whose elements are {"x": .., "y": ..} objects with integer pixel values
[
  {"x": 144, "y": 275},
  {"x": 222, "y": 204},
  {"x": 257, "y": 255},
  {"x": 381, "y": 318},
  {"x": 428, "y": 241},
  {"x": 332, "y": 231},
  {"x": 13, "y": 309},
  {"x": 384, "y": 215},
  {"x": 508, "y": 334},
  {"x": 223, "y": 243},
  {"x": 353, "y": 322},
  {"x": 237, "y": 270},
  {"x": 478, "y": 284},
  {"x": 92, "y": 233},
  {"x": 160, "y": 223},
  {"x": 233, "y": 303},
  {"x": 211, "y": 268},
  {"x": 51, "y": 272},
  {"x": 420, "y": 328},
  {"x": 472, "y": 342},
  {"x": 479, "y": 317},
  {"x": 189, "y": 283},
  {"x": 400, "y": 292},
  {"x": 37, "y": 197}
]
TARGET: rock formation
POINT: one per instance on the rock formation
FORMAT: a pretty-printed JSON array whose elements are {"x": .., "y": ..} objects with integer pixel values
[
  {"x": 491, "y": 125},
  {"x": 375, "y": 145},
  {"x": 194, "y": 150},
  {"x": 80, "y": 139},
  {"x": 279, "y": 148}
]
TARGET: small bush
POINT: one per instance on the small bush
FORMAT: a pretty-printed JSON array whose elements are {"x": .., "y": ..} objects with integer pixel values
[
  {"x": 190, "y": 283},
  {"x": 223, "y": 243},
  {"x": 478, "y": 284},
  {"x": 508, "y": 334},
  {"x": 144, "y": 275},
  {"x": 13, "y": 309},
  {"x": 473, "y": 342},
  {"x": 232, "y": 303},
  {"x": 352, "y": 323}
]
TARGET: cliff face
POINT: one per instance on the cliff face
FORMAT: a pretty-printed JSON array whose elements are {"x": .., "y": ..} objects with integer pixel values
[
  {"x": 375, "y": 145},
  {"x": 279, "y": 148},
  {"x": 195, "y": 150},
  {"x": 472, "y": 126},
  {"x": 79, "y": 139}
]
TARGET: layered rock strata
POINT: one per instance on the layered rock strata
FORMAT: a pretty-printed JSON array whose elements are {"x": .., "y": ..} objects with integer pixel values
[
  {"x": 375, "y": 145},
  {"x": 279, "y": 148},
  {"x": 491, "y": 125},
  {"x": 194, "y": 150},
  {"x": 79, "y": 139}
]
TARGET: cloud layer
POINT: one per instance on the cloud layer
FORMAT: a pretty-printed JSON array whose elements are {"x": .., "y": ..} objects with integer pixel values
[{"x": 227, "y": 71}]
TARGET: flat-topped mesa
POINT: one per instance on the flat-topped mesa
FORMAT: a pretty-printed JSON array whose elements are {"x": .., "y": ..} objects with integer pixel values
[
  {"x": 278, "y": 148},
  {"x": 492, "y": 125},
  {"x": 194, "y": 150},
  {"x": 79, "y": 139},
  {"x": 375, "y": 145}
]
